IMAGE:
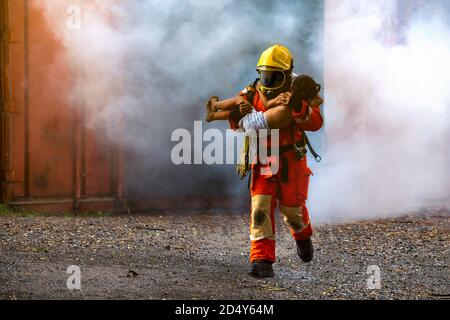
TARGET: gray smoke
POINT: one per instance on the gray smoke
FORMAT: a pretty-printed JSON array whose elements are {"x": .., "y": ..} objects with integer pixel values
[
  {"x": 145, "y": 68},
  {"x": 151, "y": 65}
]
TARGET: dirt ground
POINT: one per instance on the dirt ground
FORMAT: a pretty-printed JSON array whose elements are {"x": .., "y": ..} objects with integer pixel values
[{"x": 205, "y": 256}]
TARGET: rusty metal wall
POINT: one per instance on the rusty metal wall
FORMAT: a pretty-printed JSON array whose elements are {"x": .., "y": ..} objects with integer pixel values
[{"x": 49, "y": 159}]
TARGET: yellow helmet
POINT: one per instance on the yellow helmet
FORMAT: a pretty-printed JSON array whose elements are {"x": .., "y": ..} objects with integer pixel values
[
  {"x": 274, "y": 68},
  {"x": 276, "y": 57}
]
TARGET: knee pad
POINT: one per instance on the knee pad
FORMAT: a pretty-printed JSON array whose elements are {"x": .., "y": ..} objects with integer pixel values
[
  {"x": 293, "y": 218},
  {"x": 261, "y": 222}
]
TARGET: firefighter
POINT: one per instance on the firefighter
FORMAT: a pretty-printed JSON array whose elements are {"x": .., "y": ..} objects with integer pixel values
[{"x": 289, "y": 185}]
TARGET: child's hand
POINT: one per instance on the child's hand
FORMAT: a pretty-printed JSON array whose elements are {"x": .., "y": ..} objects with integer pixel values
[
  {"x": 245, "y": 108},
  {"x": 316, "y": 101},
  {"x": 283, "y": 99},
  {"x": 280, "y": 100}
]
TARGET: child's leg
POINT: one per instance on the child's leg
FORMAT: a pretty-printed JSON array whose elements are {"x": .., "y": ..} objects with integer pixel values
[
  {"x": 213, "y": 116},
  {"x": 275, "y": 118},
  {"x": 279, "y": 117},
  {"x": 218, "y": 115},
  {"x": 226, "y": 105}
]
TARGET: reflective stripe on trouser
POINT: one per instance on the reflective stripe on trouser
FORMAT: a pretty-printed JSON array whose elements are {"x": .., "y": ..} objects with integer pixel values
[{"x": 292, "y": 196}]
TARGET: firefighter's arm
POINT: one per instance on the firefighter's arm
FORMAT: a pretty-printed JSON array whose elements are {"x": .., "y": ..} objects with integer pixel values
[{"x": 309, "y": 118}]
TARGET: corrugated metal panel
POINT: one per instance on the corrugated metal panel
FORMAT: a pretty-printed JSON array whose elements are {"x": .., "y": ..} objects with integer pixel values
[{"x": 50, "y": 160}]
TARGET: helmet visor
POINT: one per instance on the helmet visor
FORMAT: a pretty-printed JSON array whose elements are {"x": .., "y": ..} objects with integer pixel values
[{"x": 272, "y": 79}]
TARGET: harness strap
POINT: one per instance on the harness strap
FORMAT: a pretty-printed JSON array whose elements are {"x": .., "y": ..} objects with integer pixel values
[
  {"x": 301, "y": 147},
  {"x": 310, "y": 147}
]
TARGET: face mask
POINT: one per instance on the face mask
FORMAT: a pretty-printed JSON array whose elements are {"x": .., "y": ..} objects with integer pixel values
[{"x": 272, "y": 80}]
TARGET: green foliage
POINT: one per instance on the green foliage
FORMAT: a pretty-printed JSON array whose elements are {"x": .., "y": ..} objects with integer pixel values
[{"x": 6, "y": 211}]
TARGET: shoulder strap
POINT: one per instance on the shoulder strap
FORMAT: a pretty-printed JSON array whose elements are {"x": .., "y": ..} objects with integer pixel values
[{"x": 251, "y": 90}]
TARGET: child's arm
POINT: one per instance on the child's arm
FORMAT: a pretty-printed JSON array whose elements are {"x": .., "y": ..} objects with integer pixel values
[
  {"x": 282, "y": 99},
  {"x": 281, "y": 116}
]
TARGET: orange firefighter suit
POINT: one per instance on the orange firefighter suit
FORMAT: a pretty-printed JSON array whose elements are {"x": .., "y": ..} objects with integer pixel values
[{"x": 291, "y": 193}]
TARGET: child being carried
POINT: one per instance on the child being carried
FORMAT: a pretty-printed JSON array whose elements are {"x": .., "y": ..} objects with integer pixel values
[{"x": 278, "y": 112}]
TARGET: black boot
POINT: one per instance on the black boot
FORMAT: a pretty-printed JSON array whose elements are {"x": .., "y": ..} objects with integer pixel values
[
  {"x": 305, "y": 250},
  {"x": 261, "y": 269}
]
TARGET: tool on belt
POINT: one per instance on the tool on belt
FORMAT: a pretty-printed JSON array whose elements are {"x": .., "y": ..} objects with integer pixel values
[
  {"x": 300, "y": 148},
  {"x": 300, "y": 151},
  {"x": 243, "y": 167}
]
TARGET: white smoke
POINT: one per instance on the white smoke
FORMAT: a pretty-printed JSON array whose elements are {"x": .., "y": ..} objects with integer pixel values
[
  {"x": 387, "y": 109},
  {"x": 149, "y": 66},
  {"x": 145, "y": 68}
]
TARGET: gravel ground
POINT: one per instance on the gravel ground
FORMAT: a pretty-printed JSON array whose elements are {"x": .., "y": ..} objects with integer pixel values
[{"x": 205, "y": 257}]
